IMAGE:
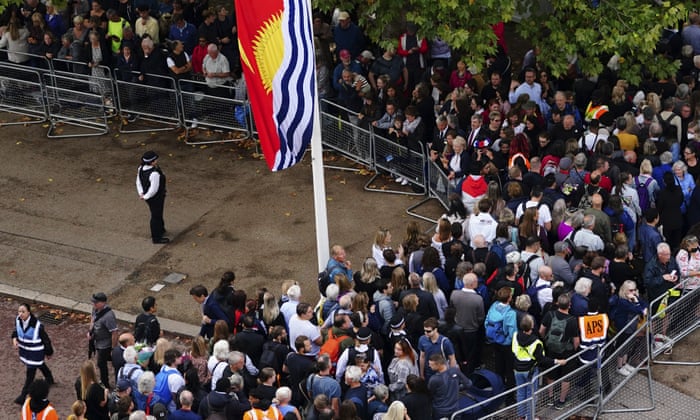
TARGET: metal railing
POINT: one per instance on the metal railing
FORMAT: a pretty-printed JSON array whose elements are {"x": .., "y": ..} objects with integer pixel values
[
  {"x": 150, "y": 98},
  {"x": 594, "y": 385},
  {"x": 201, "y": 106}
]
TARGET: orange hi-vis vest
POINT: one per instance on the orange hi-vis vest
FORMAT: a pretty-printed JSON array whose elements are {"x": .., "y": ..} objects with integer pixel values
[{"x": 594, "y": 332}]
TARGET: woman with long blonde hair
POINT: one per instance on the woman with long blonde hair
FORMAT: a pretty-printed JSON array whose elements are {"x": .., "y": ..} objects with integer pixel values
[
  {"x": 271, "y": 314},
  {"x": 93, "y": 393}
]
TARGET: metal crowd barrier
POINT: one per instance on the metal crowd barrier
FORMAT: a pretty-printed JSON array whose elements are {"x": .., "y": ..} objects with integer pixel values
[
  {"x": 202, "y": 107},
  {"x": 594, "y": 386},
  {"x": 344, "y": 136},
  {"x": 81, "y": 101},
  {"x": 678, "y": 320},
  {"x": 22, "y": 93},
  {"x": 398, "y": 160},
  {"x": 439, "y": 188},
  {"x": 154, "y": 99}
]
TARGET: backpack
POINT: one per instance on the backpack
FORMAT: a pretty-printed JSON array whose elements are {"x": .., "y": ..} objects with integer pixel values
[
  {"x": 501, "y": 247},
  {"x": 162, "y": 390},
  {"x": 142, "y": 329},
  {"x": 324, "y": 279},
  {"x": 533, "y": 291},
  {"x": 555, "y": 339},
  {"x": 527, "y": 270},
  {"x": 332, "y": 346},
  {"x": 268, "y": 358},
  {"x": 643, "y": 193},
  {"x": 494, "y": 328},
  {"x": 128, "y": 376},
  {"x": 585, "y": 201},
  {"x": 670, "y": 131}
]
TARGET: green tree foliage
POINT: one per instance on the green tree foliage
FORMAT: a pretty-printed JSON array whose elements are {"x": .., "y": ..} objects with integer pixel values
[
  {"x": 4, "y": 4},
  {"x": 464, "y": 24},
  {"x": 628, "y": 28},
  {"x": 560, "y": 28}
]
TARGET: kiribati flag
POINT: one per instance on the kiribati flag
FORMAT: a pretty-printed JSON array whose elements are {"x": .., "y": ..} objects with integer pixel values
[{"x": 277, "y": 54}]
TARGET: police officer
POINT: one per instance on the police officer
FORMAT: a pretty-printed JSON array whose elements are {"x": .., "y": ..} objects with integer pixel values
[{"x": 150, "y": 184}]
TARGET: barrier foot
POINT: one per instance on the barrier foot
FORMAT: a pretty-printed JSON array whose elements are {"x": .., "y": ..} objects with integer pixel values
[
  {"x": 410, "y": 211},
  {"x": 369, "y": 187}
]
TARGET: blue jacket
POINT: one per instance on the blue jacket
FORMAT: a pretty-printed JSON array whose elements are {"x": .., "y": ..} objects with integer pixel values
[
  {"x": 213, "y": 310},
  {"x": 653, "y": 276},
  {"x": 648, "y": 238},
  {"x": 622, "y": 311}
]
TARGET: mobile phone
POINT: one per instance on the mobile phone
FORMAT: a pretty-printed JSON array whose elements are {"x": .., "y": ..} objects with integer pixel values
[{"x": 673, "y": 273}]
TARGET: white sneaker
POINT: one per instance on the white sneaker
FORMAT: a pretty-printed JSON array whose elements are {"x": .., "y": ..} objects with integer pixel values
[
  {"x": 404, "y": 182},
  {"x": 623, "y": 371},
  {"x": 195, "y": 123},
  {"x": 399, "y": 180},
  {"x": 631, "y": 369}
]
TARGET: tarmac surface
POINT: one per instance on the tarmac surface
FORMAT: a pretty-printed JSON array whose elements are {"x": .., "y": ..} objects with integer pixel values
[{"x": 71, "y": 224}]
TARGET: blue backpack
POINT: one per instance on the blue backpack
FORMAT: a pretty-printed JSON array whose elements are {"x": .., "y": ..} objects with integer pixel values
[
  {"x": 162, "y": 390},
  {"x": 495, "y": 333}
]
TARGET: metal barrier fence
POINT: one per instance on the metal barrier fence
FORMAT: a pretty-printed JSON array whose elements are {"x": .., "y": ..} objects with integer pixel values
[
  {"x": 342, "y": 133},
  {"x": 439, "y": 188},
  {"x": 78, "y": 100},
  {"x": 593, "y": 385},
  {"x": 201, "y": 105},
  {"x": 680, "y": 318},
  {"x": 399, "y": 161},
  {"x": 22, "y": 93},
  {"x": 151, "y": 98}
]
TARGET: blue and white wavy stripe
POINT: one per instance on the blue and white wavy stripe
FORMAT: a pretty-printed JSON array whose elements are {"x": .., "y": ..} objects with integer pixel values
[{"x": 294, "y": 85}]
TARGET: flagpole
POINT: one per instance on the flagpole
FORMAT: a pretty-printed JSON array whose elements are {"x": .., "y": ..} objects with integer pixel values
[{"x": 319, "y": 182}]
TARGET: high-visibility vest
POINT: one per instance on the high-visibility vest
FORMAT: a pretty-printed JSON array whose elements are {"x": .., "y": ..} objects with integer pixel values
[{"x": 594, "y": 332}]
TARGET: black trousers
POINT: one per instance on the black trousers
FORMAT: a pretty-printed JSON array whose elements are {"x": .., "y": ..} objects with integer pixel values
[
  {"x": 155, "y": 205},
  {"x": 103, "y": 358},
  {"x": 31, "y": 374}
]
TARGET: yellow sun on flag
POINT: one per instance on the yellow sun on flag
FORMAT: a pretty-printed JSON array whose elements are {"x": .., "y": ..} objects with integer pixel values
[{"x": 268, "y": 48}]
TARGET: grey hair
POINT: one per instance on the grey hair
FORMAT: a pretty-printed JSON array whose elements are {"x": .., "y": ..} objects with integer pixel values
[
  {"x": 186, "y": 398},
  {"x": 130, "y": 354},
  {"x": 332, "y": 291},
  {"x": 381, "y": 391},
  {"x": 680, "y": 165},
  {"x": 353, "y": 373},
  {"x": 235, "y": 357},
  {"x": 294, "y": 292},
  {"x": 147, "y": 382},
  {"x": 220, "y": 350},
  {"x": 138, "y": 415},
  {"x": 283, "y": 394},
  {"x": 666, "y": 157},
  {"x": 236, "y": 381},
  {"x": 588, "y": 221},
  {"x": 663, "y": 246},
  {"x": 583, "y": 286}
]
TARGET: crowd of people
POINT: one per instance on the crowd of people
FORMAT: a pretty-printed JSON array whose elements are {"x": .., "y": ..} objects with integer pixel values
[
  {"x": 140, "y": 41},
  {"x": 573, "y": 202}
]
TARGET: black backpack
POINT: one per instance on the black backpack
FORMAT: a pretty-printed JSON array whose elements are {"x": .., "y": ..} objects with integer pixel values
[
  {"x": 324, "y": 279},
  {"x": 670, "y": 130}
]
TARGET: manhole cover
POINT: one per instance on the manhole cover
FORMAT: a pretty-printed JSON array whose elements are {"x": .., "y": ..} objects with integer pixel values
[{"x": 49, "y": 318}]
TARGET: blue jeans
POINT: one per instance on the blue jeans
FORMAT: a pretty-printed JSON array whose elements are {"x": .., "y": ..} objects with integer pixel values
[{"x": 525, "y": 392}]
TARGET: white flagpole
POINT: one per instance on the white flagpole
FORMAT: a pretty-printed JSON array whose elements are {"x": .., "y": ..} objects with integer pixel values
[{"x": 319, "y": 183}]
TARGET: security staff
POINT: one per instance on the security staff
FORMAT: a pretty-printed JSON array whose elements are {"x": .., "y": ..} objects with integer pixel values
[
  {"x": 30, "y": 339},
  {"x": 150, "y": 184}
]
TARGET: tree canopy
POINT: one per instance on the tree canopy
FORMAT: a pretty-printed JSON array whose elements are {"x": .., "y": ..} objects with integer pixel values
[{"x": 592, "y": 31}]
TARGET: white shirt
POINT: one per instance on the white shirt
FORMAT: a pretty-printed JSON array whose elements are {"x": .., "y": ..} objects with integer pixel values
[
  {"x": 482, "y": 224},
  {"x": 544, "y": 296},
  {"x": 299, "y": 327},
  {"x": 219, "y": 64},
  {"x": 155, "y": 183},
  {"x": 545, "y": 216}
]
